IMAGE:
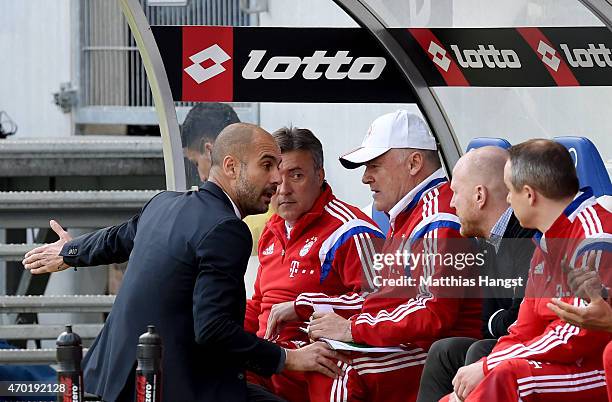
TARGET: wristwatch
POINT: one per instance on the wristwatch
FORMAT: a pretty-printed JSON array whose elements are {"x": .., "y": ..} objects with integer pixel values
[{"x": 605, "y": 294}]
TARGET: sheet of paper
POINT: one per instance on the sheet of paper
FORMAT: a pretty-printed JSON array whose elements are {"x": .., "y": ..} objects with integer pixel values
[
  {"x": 356, "y": 347},
  {"x": 323, "y": 308}
]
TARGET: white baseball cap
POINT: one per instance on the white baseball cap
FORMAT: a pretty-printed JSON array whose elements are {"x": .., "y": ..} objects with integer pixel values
[{"x": 399, "y": 129}]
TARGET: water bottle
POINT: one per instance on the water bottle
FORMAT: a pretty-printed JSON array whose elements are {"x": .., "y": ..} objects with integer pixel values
[
  {"x": 69, "y": 375},
  {"x": 148, "y": 371}
]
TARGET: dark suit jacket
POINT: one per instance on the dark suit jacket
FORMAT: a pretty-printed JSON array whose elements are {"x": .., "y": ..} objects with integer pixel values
[
  {"x": 511, "y": 261},
  {"x": 188, "y": 253}
]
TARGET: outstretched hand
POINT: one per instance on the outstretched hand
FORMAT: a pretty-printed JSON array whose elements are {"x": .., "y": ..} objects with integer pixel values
[{"x": 46, "y": 259}]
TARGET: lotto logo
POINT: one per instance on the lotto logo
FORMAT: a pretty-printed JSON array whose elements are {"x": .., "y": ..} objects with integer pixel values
[
  {"x": 549, "y": 55},
  {"x": 286, "y": 67},
  {"x": 208, "y": 63},
  {"x": 213, "y": 53},
  {"x": 439, "y": 56},
  {"x": 588, "y": 57}
]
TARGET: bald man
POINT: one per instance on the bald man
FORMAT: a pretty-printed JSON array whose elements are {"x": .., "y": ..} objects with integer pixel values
[
  {"x": 188, "y": 253},
  {"x": 479, "y": 197}
]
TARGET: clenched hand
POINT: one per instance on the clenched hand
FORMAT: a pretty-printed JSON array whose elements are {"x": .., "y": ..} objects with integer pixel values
[
  {"x": 331, "y": 326},
  {"x": 280, "y": 314},
  {"x": 315, "y": 357}
]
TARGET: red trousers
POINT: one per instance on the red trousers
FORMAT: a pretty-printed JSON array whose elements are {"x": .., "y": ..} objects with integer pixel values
[
  {"x": 607, "y": 361},
  {"x": 385, "y": 377},
  {"x": 530, "y": 381}
]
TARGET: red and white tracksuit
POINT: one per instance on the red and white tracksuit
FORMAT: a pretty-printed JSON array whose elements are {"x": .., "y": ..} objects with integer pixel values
[
  {"x": 607, "y": 361},
  {"x": 544, "y": 358},
  {"x": 413, "y": 317},
  {"x": 328, "y": 250}
]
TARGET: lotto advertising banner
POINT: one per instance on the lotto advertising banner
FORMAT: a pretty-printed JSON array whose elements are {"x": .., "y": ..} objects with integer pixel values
[
  {"x": 243, "y": 64},
  {"x": 511, "y": 57},
  {"x": 246, "y": 64}
]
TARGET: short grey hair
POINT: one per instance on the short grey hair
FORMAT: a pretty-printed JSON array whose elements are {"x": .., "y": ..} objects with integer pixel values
[
  {"x": 430, "y": 157},
  {"x": 300, "y": 139}
]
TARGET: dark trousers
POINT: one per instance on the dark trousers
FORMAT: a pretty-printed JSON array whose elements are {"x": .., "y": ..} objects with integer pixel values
[
  {"x": 444, "y": 359},
  {"x": 255, "y": 393}
]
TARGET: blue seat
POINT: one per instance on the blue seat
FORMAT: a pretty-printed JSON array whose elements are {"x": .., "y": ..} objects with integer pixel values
[
  {"x": 589, "y": 165},
  {"x": 485, "y": 141}
]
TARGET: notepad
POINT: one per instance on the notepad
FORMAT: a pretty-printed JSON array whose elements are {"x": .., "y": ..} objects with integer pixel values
[{"x": 356, "y": 347}]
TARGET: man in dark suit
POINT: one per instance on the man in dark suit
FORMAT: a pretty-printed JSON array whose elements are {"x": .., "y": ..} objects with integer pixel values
[
  {"x": 479, "y": 197},
  {"x": 188, "y": 254}
]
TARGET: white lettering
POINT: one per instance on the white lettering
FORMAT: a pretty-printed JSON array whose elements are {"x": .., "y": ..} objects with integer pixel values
[
  {"x": 587, "y": 58},
  {"x": 488, "y": 56},
  {"x": 148, "y": 393},
  {"x": 285, "y": 67}
]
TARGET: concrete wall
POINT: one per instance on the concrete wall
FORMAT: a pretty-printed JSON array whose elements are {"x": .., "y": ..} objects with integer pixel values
[{"x": 36, "y": 48}]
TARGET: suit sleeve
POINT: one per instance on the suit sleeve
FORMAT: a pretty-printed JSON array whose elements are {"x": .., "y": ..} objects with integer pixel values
[
  {"x": 499, "y": 315},
  {"x": 253, "y": 307},
  {"x": 427, "y": 315},
  {"x": 499, "y": 321},
  {"x": 353, "y": 261},
  {"x": 219, "y": 292},
  {"x": 105, "y": 246}
]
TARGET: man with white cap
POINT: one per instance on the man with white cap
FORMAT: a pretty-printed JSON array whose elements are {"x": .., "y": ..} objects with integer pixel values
[{"x": 408, "y": 183}]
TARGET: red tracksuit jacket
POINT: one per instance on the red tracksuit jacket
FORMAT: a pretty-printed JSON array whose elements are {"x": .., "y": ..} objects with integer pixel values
[
  {"x": 430, "y": 225},
  {"x": 538, "y": 334},
  {"x": 329, "y": 251},
  {"x": 397, "y": 316}
]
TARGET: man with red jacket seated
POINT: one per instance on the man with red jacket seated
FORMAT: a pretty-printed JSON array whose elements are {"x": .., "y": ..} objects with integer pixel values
[
  {"x": 545, "y": 358},
  {"x": 315, "y": 243},
  {"x": 597, "y": 315},
  {"x": 404, "y": 172}
]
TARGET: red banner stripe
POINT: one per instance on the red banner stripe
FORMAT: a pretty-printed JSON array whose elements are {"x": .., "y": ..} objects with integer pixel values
[
  {"x": 446, "y": 65},
  {"x": 554, "y": 63},
  {"x": 211, "y": 76}
]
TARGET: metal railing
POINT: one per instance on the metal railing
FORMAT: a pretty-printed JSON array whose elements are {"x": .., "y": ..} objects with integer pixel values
[
  {"x": 56, "y": 304},
  {"x": 82, "y": 156},
  {"x": 84, "y": 209},
  {"x": 111, "y": 71},
  {"x": 47, "y": 304}
]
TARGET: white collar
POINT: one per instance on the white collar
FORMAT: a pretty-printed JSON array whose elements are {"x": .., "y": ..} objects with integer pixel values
[
  {"x": 288, "y": 229},
  {"x": 417, "y": 191},
  {"x": 236, "y": 210}
]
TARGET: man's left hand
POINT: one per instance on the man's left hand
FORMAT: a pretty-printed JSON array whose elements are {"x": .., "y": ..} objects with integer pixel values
[
  {"x": 467, "y": 378},
  {"x": 331, "y": 326},
  {"x": 47, "y": 258}
]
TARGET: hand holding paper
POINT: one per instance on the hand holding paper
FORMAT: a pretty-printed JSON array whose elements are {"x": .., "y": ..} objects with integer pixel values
[{"x": 331, "y": 326}]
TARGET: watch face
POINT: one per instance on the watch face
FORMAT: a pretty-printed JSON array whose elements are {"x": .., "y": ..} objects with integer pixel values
[{"x": 604, "y": 293}]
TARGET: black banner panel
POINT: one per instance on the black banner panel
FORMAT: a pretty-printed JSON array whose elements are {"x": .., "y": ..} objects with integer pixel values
[
  {"x": 251, "y": 64},
  {"x": 510, "y": 57},
  {"x": 338, "y": 65}
]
